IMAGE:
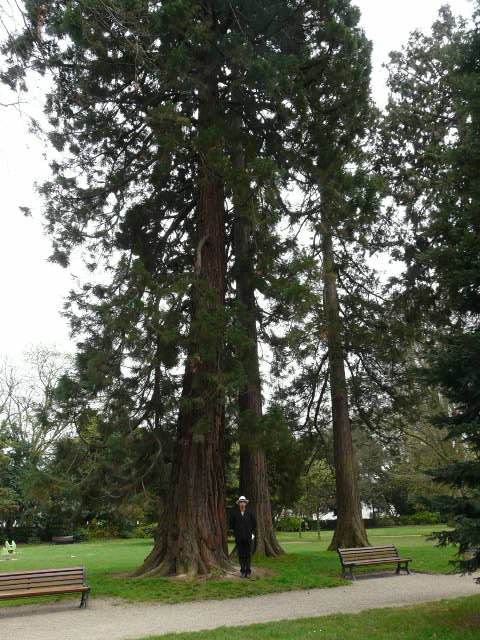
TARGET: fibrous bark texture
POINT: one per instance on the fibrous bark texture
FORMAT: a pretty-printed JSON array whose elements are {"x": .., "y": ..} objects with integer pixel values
[
  {"x": 191, "y": 537},
  {"x": 253, "y": 463},
  {"x": 350, "y": 528}
]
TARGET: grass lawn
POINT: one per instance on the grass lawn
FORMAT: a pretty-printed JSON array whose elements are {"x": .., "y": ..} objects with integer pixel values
[
  {"x": 457, "y": 619},
  {"x": 409, "y": 540},
  {"x": 307, "y": 564}
]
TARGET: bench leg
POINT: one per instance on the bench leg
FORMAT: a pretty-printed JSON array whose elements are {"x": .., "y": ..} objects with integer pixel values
[
  {"x": 84, "y": 601},
  {"x": 350, "y": 570},
  {"x": 399, "y": 568}
]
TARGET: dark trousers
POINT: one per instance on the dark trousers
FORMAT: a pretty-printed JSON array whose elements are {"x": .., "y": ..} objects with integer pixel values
[{"x": 244, "y": 548}]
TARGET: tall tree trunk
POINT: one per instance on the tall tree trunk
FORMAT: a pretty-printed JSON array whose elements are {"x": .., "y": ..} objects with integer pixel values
[
  {"x": 191, "y": 537},
  {"x": 350, "y": 528},
  {"x": 253, "y": 463}
]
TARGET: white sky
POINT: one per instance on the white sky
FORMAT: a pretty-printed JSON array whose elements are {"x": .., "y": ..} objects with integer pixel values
[{"x": 32, "y": 290}]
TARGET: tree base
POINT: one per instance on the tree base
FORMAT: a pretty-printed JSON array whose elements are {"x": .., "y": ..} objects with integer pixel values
[
  {"x": 349, "y": 534},
  {"x": 193, "y": 560},
  {"x": 268, "y": 546},
  {"x": 254, "y": 484}
]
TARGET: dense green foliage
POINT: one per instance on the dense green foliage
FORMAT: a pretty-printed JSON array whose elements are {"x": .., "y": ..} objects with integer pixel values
[
  {"x": 435, "y": 169},
  {"x": 455, "y": 261}
]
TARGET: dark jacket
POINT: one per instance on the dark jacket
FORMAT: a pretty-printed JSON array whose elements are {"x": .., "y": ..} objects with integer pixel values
[{"x": 243, "y": 526}]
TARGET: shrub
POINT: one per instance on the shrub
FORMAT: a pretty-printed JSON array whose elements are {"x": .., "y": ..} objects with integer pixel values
[
  {"x": 34, "y": 539},
  {"x": 23, "y": 533},
  {"x": 145, "y": 530},
  {"x": 383, "y": 521},
  {"x": 81, "y": 534},
  {"x": 99, "y": 529},
  {"x": 289, "y": 523},
  {"x": 421, "y": 517},
  {"x": 425, "y": 517}
]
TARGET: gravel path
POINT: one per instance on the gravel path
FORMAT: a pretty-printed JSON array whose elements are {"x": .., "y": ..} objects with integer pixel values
[{"x": 116, "y": 620}]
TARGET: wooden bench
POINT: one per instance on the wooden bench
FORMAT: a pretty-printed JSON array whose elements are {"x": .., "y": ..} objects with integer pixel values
[
  {"x": 44, "y": 582},
  {"x": 63, "y": 540},
  {"x": 358, "y": 557}
]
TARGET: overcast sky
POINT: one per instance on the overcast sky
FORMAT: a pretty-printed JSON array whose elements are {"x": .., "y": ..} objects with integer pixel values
[{"x": 32, "y": 290}]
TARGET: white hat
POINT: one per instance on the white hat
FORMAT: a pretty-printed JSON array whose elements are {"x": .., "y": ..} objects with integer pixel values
[{"x": 242, "y": 499}]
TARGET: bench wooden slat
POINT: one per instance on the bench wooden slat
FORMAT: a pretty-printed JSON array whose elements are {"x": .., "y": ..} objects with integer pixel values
[
  {"x": 41, "y": 579},
  {"x": 377, "y": 561},
  {"x": 367, "y": 550},
  {"x": 31, "y": 584},
  {"x": 43, "y": 591},
  {"x": 388, "y": 554},
  {"x": 384, "y": 554},
  {"x": 63, "y": 540},
  {"x": 19, "y": 584},
  {"x": 358, "y": 558},
  {"x": 43, "y": 576},
  {"x": 382, "y": 546},
  {"x": 42, "y": 571},
  {"x": 366, "y": 561}
]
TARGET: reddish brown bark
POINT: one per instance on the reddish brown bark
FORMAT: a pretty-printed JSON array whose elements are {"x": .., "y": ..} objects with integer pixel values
[
  {"x": 350, "y": 528},
  {"x": 191, "y": 538},
  {"x": 254, "y": 483},
  {"x": 253, "y": 463}
]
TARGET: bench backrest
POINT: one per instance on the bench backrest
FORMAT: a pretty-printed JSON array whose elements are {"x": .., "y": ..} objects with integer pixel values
[
  {"x": 62, "y": 539},
  {"x": 368, "y": 553},
  {"x": 24, "y": 580}
]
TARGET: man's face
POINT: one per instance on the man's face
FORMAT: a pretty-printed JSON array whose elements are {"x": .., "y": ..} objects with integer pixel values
[{"x": 242, "y": 504}]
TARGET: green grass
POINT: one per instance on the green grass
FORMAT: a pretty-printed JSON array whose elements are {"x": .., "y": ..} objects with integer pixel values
[
  {"x": 457, "y": 619},
  {"x": 307, "y": 564},
  {"x": 409, "y": 540},
  {"x": 409, "y": 531}
]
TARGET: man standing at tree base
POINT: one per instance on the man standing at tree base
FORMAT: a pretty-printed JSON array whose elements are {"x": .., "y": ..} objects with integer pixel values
[{"x": 244, "y": 528}]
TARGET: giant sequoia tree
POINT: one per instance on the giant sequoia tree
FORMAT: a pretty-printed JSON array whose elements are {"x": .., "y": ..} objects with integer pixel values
[
  {"x": 135, "y": 109},
  {"x": 337, "y": 114},
  {"x": 192, "y": 537},
  {"x": 262, "y": 71},
  {"x": 253, "y": 464}
]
